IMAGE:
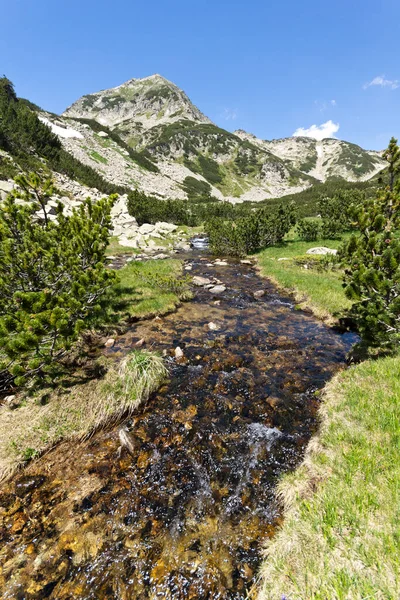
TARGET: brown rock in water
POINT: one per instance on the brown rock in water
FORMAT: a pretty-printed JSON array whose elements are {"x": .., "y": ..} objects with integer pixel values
[{"x": 109, "y": 343}]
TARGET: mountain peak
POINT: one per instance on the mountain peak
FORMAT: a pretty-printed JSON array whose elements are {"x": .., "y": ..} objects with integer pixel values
[{"x": 144, "y": 103}]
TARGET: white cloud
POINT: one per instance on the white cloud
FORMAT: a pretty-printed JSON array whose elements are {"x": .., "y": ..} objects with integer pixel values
[
  {"x": 230, "y": 114},
  {"x": 318, "y": 132},
  {"x": 333, "y": 102},
  {"x": 382, "y": 82}
]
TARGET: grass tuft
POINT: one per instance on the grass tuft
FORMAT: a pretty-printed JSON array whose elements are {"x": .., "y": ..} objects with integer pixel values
[{"x": 76, "y": 412}]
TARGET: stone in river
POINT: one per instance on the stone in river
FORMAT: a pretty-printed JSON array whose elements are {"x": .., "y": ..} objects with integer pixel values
[
  {"x": 259, "y": 294},
  {"x": 217, "y": 289},
  {"x": 178, "y": 352},
  {"x": 201, "y": 281}
]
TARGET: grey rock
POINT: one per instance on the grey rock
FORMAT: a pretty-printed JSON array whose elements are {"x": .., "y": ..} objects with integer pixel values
[
  {"x": 321, "y": 250},
  {"x": 201, "y": 281},
  {"x": 217, "y": 289}
]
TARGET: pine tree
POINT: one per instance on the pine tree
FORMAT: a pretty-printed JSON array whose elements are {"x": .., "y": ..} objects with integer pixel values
[
  {"x": 372, "y": 259},
  {"x": 52, "y": 277}
]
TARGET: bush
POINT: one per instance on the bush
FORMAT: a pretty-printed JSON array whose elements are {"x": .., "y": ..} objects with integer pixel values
[
  {"x": 372, "y": 262},
  {"x": 250, "y": 233},
  {"x": 308, "y": 231},
  {"x": 337, "y": 212},
  {"x": 53, "y": 281}
]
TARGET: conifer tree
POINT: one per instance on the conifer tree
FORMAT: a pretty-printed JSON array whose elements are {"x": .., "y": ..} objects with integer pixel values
[
  {"x": 52, "y": 277},
  {"x": 372, "y": 259}
]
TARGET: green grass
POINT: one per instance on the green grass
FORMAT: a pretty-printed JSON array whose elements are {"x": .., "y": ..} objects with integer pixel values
[
  {"x": 318, "y": 290},
  {"x": 114, "y": 248},
  {"x": 340, "y": 539},
  {"x": 98, "y": 157},
  {"x": 150, "y": 288}
]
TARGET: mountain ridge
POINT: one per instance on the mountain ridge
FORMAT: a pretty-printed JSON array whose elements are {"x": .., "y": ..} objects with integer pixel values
[{"x": 154, "y": 117}]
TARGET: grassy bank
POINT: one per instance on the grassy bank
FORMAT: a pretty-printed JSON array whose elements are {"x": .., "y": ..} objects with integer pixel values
[
  {"x": 319, "y": 290},
  {"x": 74, "y": 411},
  {"x": 340, "y": 539},
  {"x": 149, "y": 288}
]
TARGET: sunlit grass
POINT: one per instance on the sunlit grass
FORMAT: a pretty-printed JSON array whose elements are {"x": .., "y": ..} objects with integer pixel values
[
  {"x": 341, "y": 533},
  {"x": 149, "y": 288},
  {"x": 319, "y": 290}
]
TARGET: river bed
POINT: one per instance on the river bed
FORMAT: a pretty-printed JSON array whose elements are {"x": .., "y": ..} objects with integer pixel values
[{"x": 185, "y": 516}]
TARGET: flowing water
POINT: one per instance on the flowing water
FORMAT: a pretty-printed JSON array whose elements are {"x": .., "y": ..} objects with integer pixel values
[{"x": 186, "y": 515}]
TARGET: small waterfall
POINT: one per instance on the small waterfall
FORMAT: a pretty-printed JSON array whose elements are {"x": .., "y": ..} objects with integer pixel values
[{"x": 200, "y": 242}]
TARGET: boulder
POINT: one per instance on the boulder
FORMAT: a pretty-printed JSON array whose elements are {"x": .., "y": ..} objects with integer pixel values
[
  {"x": 217, "y": 289},
  {"x": 131, "y": 243},
  {"x": 109, "y": 343},
  {"x": 146, "y": 228},
  {"x": 259, "y": 294},
  {"x": 6, "y": 186},
  {"x": 213, "y": 326},
  {"x": 182, "y": 246},
  {"x": 165, "y": 227},
  {"x": 201, "y": 281},
  {"x": 321, "y": 250},
  {"x": 160, "y": 256}
]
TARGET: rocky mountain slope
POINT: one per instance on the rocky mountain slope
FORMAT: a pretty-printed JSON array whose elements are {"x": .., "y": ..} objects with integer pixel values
[
  {"x": 328, "y": 158},
  {"x": 147, "y": 134}
]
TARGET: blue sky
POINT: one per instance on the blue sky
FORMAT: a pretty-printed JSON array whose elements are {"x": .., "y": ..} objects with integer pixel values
[{"x": 269, "y": 67}]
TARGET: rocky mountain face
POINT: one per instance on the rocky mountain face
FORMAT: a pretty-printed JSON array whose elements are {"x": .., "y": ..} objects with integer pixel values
[
  {"x": 139, "y": 104},
  {"x": 156, "y": 140},
  {"x": 328, "y": 158}
]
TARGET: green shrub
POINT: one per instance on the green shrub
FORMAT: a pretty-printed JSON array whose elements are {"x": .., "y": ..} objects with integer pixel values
[
  {"x": 250, "y": 233},
  {"x": 52, "y": 277},
  {"x": 372, "y": 262},
  {"x": 307, "y": 230}
]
